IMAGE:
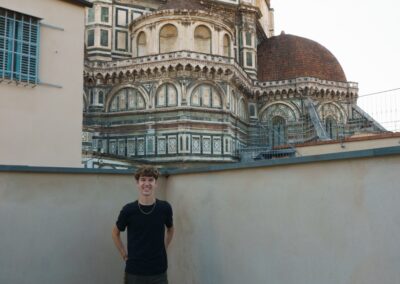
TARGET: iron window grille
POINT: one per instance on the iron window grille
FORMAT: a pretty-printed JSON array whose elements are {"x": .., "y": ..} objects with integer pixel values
[{"x": 19, "y": 47}]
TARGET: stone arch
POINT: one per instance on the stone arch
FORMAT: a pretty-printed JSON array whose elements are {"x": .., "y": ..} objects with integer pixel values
[
  {"x": 99, "y": 79},
  {"x": 168, "y": 38},
  {"x": 332, "y": 109},
  {"x": 226, "y": 45},
  {"x": 176, "y": 85},
  {"x": 118, "y": 88},
  {"x": 141, "y": 43},
  {"x": 286, "y": 110},
  {"x": 90, "y": 81},
  {"x": 202, "y": 35},
  {"x": 242, "y": 110},
  {"x": 228, "y": 72},
  {"x": 192, "y": 87},
  {"x": 188, "y": 67}
]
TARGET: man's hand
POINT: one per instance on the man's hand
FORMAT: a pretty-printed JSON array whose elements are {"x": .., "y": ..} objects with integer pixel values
[
  {"x": 169, "y": 235},
  {"x": 116, "y": 235},
  {"x": 124, "y": 256}
]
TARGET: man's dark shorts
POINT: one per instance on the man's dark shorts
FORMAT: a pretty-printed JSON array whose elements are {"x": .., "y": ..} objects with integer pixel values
[{"x": 141, "y": 279}]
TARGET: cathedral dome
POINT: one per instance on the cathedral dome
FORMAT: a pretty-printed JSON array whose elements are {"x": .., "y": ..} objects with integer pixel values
[
  {"x": 183, "y": 5},
  {"x": 287, "y": 57}
]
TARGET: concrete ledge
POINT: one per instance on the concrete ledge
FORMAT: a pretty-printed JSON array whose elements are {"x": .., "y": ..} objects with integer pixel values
[
  {"x": 377, "y": 152},
  {"x": 62, "y": 170}
]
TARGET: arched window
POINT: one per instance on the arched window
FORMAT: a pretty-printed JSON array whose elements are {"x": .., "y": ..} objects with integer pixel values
[
  {"x": 101, "y": 97},
  {"x": 242, "y": 110},
  {"x": 91, "y": 97},
  {"x": 202, "y": 39},
  {"x": 331, "y": 127},
  {"x": 233, "y": 102},
  {"x": 168, "y": 38},
  {"x": 166, "y": 96},
  {"x": 141, "y": 44},
  {"x": 278, "y": 129},
  {"x": 127, "y": 99},
  {"x": 206, "y": 96},
  {"x": 226, "y": 46},
  {"x": 252, "y": 110}
]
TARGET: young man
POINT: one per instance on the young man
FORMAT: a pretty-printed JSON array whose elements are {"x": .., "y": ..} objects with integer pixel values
[{"x": 150, "y": 231}]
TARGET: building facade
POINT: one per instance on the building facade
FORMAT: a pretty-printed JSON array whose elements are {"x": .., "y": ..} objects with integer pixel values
[
  {"x": 41, "y": 56},
  {"x": 207, "y": 81}
]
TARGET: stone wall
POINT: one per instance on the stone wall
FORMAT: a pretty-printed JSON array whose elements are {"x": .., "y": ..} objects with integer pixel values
[{"x": 321, "y": 219}]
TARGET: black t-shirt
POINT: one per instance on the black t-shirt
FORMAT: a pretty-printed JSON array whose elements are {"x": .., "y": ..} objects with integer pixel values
[{"x": 146, "y": 232}]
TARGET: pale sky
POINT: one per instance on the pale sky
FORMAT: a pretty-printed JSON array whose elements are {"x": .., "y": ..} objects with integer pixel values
[{"x": 364, "y": 35}]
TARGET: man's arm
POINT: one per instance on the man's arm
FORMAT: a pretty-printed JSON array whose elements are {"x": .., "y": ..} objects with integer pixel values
[
  {"x": 168, "y": 235},
  {"x": 116, "y": 235}
]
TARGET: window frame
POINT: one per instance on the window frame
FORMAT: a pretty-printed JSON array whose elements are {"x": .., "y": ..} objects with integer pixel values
[
  {"x": 117, "y": 32},
  {"x": 106, "y": 16},
  {"x": 107, "y": 37},
  {"x": 117, "y": 16},
  {"x": 19, "y": 47},
  {"x": 248, "y": 39},
  {"x": 91, "y": 15},
  {"x": 200, "y": 90},
  {"x": 165, "y": 88},
  {"x": 126, "y": 94},
  {"x": 91, "y": 31},
  {"x": 249, "y": 55}
]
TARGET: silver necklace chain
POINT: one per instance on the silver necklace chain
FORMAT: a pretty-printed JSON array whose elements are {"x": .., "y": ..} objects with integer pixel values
[{"x": 151, "y": 211}]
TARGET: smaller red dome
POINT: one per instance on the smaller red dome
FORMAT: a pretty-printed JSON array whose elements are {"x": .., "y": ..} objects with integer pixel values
[{"x": 287, "y": 57}]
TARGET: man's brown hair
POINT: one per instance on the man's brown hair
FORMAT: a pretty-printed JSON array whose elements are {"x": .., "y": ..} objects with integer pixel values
[{"x": 146, "y": 171}]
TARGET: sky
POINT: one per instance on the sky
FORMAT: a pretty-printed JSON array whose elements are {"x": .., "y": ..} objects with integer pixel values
[{"x": 364, "y": 35}]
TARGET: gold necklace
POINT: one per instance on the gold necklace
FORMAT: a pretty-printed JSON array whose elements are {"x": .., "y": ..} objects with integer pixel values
[{"x": 151, "y": 211}]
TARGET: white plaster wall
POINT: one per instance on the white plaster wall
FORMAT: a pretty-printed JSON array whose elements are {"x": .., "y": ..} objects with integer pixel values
[
  {"x": 332, "y": 223},
  {"x": 41, "y": 126},
  {"x": 347, "y": 146},
  {"x": 56, "y": 228}
]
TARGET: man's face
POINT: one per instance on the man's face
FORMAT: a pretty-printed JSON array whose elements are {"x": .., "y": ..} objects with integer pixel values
[{"x": 146, "y": 185}]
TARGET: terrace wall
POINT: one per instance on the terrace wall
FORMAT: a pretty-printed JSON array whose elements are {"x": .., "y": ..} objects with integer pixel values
[{"x": 318, "y": 219}]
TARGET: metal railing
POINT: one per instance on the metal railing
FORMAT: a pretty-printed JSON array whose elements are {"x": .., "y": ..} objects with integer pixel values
[{"x": 384, "y": 107}]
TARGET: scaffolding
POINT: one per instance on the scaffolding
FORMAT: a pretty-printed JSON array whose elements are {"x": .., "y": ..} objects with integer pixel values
[{"x": 374, "y": 114}]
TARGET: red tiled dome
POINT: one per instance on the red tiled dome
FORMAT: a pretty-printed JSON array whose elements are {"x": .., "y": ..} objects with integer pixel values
[{"x": 288, "y": 57}]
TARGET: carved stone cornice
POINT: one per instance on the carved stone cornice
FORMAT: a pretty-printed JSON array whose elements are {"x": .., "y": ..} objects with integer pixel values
[
  {"x": 182, "y": 63},
  {"x": 307, "y": 86},
  {"x": 188, "y": 64}
]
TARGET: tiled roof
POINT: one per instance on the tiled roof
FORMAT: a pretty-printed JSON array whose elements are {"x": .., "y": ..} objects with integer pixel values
[{"x": 288, "y": 57}]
